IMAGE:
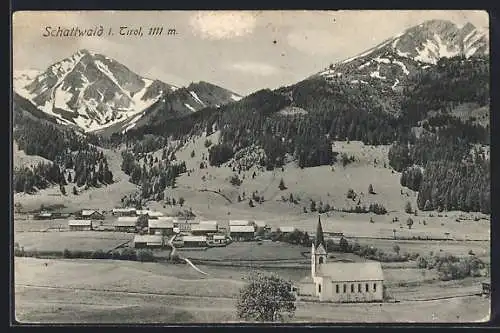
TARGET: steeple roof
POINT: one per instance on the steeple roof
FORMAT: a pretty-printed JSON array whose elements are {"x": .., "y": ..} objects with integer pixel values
[{"x": 319, "y": 234}]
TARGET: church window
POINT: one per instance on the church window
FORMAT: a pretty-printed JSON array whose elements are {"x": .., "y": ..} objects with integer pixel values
[
  {"x": 319, "y": 288},
  {"x": 352, "y": 287},
  {"x": 345, "y": 288},
  {"x": 374, "y": 287},
  {"x": 320, "y": 260},
  {"x": 366, "y": 287},
  {"x": 337, "y": 288},
  {"x": 359, "y": 287}
]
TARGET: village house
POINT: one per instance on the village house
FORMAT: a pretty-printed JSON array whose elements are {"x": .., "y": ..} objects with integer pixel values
[
  {"x": 148, "y": 241},
  {"x": 194, "y": 241},
  {"x": 339, "y": 281},
  {"x": 287, "y": 229},
  {"x": 204, "y": 228},
  {"x": 124, "y": 212},
  {"x": 43, "y": 216},
  {"x": 160, "y": 227},
  {"x": 242, "y": 232},
  {"x": 90, "y": 214},
  {"x": 239, "y": 223},
  {"x": 126, "y": 223},
  {"x": 218, "y": 240},
  {"x": 80, "y": 225},
  {"x": 184, "y": 225}
]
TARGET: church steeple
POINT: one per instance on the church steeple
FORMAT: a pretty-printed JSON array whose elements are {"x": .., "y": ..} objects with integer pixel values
[{"x": 319, "y": 234}]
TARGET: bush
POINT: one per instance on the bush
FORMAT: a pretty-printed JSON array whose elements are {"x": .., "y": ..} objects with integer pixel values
[
  {"x": 145, "y": 256},
  {"x": 99, "y": 254},
  {"x": 128, "y": 254},
  {"x": 67, "y": 254},
  {"x": 208, "y": 143},
  {"x": 351, "y": 194},
  {"x": 377, "y": 209},
  {"x": 282, "y": 186},
  {"x": 408, "y": 208},
  {"x": 235, "y": 180}
]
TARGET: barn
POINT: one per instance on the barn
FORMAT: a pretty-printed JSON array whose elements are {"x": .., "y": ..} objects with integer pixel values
[
  {"x": 239, "y": 223},
  {"x": 194, "y": 241},
  {"x": 126, "y": 223},
  {"x": 123, "y": 212},
  {"x": 44, "y": 216},
  {"x": 184, "y": 225},
  {"x": 145, "y": 241},
  {"x": 80, "y": 225},
  {"x": 160, "y": 227},
  {"x": 91, "y": 214},
  {"x": 242, "y": 232},
  {"x": 204, "y": 228}
]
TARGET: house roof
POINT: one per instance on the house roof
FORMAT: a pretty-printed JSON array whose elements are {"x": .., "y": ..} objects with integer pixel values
[
  {"x": 79, "y": 223},
  {"x": 45, "y": 214},
  {"x": 88, "y": 212},
  {"x": 149, "y": 239},
  {"x": 194, "y": 238},
  {"x": 358, "y": 271},
  {"x": 160, "y": 224},
  {"x": 204, "y": 227},
  {"x": 154, "y": 214},
  {"x": 287, "y": 229},
  {"x": 166, "y": 218},
  {"x": 209, "y": 222},
  {"x": 119, "y": 210},
  {"x": 219, "y": 237},
  {"x": 238, "y": 222},
  {"x": 125, "y": 221},
  {"x": 241, "y": 228}
]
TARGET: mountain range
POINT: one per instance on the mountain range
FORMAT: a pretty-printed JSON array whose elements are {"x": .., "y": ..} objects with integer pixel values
[
  {"x": 94, "y": 92},
  {"x": 98, "y": 94}
]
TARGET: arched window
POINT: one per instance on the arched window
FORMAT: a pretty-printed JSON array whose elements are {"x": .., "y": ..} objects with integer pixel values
[
  {"x": 319, "y": 288},
  {"x": 320, "y": 260},
  {"x": 337, "y": 288},
  {"x": 345, "y": 288},
  {"x": 359, "y": 287},
  {"x": 366, "y": 287},
  {"x": 352, "y": 287},
  {"x": 374, "y": 287}
]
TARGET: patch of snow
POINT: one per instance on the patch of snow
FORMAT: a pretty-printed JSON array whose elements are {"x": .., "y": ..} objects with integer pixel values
[
  {"x": 395, "y": 84},
  {"x": 196, "y": 98},
  {"x": 365, "y": 64},
  {"x": 382, "y": 60},
  {"x": 105, "y": 70},
  {"x": 61, "y": 98},
  {"x": 394, "y": 43},
  {"x": 470, "y": 51},
  {"x": 376, "y": 74},
  {"x": 402, "y": 54},
  {"x": 234, "y": 98},
  {"x": 403, "y": 66},
  {"x": 190, "y": 107}
]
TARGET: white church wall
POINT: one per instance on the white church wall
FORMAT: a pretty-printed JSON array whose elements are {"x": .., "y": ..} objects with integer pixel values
[{"x": 352, "y": 291}]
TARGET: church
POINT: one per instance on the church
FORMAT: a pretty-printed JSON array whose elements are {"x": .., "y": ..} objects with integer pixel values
[{"x": 339, "y": 281}]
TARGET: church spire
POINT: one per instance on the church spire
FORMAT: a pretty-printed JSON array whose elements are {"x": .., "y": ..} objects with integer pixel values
[{"x": 319, "y": 234}]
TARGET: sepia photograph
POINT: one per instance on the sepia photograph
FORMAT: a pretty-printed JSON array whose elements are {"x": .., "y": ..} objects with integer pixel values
[{"x": 196, "y": 167}]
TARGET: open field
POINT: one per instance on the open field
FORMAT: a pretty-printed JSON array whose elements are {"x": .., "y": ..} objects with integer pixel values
[
  {"x": 71, "y": 240},
  {"x": 110, "y": 291}
]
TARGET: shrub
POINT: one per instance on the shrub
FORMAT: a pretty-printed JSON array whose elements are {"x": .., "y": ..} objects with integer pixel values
[
  {"x": 145, "y": 256},
  {"x": 377, "y": 209},
  {"x": 408, "y": 208},
  {"x": 282, "y": 186},
  {"x": 235, "y": 180},
  {"x": 370, "y": 189},
  {"x": 128, "y": 254},
  {"x": 351, "y": 194},
  {"x": 208, "y": 143},
  {"x": 67, "y": 254},
  {"x": 99, "y": 254},
  {"x": 115, "y": 255}
]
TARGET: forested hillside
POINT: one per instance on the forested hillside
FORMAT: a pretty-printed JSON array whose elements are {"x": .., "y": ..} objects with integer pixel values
[{"x": 74, "y": 159}]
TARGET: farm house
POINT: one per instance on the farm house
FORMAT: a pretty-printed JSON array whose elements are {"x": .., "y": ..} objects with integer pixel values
[
  {"x": 287, "y": 229},
  {"x": 144, "y": 241},
  {"x": 242, "y": 232},
  {"x": 126, "y": 223},
  {"x": 204, "y": 228},
  {"x": 80, "y": 225},
  {"x": 91, "y": 214},
  {"x": 184, "y": 225},
  {"x": 240, "y": 223},
  {"x": 123, "y": 212},
  {"x": 160, "y": 227},
  {"x": 43, "y": 216},
  {"x": 194, "y": 241}
]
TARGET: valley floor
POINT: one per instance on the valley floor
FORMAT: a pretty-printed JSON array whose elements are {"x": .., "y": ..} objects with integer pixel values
[{"x": 107, "y": 291}]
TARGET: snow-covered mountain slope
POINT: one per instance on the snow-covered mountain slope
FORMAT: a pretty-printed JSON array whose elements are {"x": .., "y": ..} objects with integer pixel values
[
  {"x": 419, "y": 47},
  {"x": 94, "y": 92}
]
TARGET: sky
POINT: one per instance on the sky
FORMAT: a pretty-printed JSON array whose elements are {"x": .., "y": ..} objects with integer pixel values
[{"x": 243, "y": 51}]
